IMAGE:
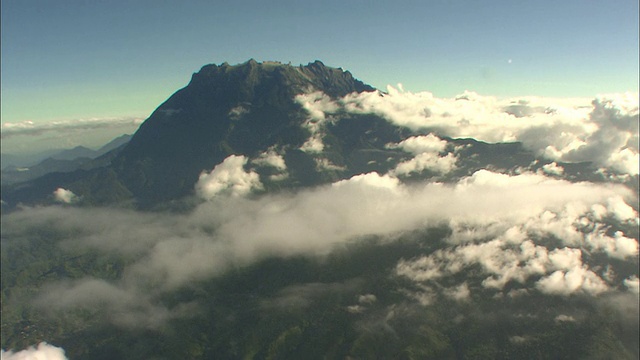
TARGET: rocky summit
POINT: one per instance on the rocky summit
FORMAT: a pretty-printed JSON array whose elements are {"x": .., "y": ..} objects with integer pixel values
[{"x": 225, "y": 110}]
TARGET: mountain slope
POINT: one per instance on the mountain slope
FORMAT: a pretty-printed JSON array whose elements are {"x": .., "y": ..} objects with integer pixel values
[
  {"x": 259, "y": 111},
  {"x": 224, "y": 110},
  {"x": 66, "y": 161}
]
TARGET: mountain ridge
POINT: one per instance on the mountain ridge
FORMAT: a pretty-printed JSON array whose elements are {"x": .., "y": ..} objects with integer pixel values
[
  {"x": 252, "y": 110},
  {"x": 224, "y": 110}
]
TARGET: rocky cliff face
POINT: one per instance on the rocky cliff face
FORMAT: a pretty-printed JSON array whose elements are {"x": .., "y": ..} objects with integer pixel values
[{"x": 224, "y": 110}]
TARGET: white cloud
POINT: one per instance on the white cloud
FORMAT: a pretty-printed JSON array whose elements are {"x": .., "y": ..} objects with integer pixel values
[
  {"x": 633, "y": 284},
  {"x": 564, "y": 318},
  {"x": 618, "y": 246},
  {"x": 326, "y": 164},
  {"x": 238, "y": 112},
  {"x": 426, "y": 161},
  {"x": 604, "y": 130},
  {"x": 553, "y": 169},
  {"x": 494, "y": 218},
  {"x": 458, "y": 293},
  {"x": 503, "y": 262},
  {"x": 29, "y": 128},
  {"x": 64, "y": 196},
  {"x": 367, "y": 299},
  {"x": 272, "y": 159},
  {"x": 313, "y": 145},
  {"x": 506, "y": 251},
  {"x": 317, "y": 104},
  {"x": 228, "y": 177},
  {"x": 569, "y": 282},
  {"x": 421, "y": 144},
  {"x": 615, "y": 142},
  {"x": 42, "y": 351},
  {"x": 427, "y": 150}
]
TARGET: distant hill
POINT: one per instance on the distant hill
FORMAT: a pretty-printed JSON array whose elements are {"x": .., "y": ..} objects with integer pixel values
[{"x": 63, "y": 161}]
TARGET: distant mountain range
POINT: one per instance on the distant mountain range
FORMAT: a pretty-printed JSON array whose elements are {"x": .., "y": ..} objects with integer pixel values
[{"x": 24, "y": 168}]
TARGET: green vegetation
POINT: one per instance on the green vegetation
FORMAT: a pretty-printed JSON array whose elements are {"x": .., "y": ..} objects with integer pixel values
[{"x": 295, "y": 308}]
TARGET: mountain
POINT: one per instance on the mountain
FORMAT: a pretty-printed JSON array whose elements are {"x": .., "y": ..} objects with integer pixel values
[
  {"x": 12, "y": 175},
  {"x": 20, "y": 161},
  {"x": 225, "y": 110},
  {"x": 255, "y": 110},
  {"x": 116, "y": 143},
  {"x": 76, "y": 152}
]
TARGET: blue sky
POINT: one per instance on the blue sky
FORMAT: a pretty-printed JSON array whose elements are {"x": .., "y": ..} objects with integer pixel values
[{"x": 73, "y": 59}]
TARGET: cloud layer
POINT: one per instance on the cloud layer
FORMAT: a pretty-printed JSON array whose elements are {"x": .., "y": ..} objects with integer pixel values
[
  {"x": 29, "y": 128},
  {"x": 43, "y": 351},
  {"x": 230, "y": 177},
  {"x": 499, "y": 222},
  {"x": 603, "y": 130}
]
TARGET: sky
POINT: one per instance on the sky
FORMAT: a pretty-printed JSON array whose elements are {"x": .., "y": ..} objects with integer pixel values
[
  {"x": 560, "y": 77},
  {"x": 83, "y": 60}
]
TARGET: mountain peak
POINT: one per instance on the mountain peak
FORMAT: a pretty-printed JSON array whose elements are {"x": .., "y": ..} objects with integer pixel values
[
  {"x": 315, "y": 76},
  {"x": 224, "y": 110}
]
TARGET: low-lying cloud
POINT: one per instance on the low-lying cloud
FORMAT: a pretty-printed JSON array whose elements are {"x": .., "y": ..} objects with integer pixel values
[
  {"x": 30, "y": 128},
  {"x": 64, "y": 196},
  {"x": 229, "y": 177},
  {"x": 42, "y": 351},
  {"x": 429, "y": 154},
  {"x": 497, "y": 221},
  {"x": 603, "y": 130}
]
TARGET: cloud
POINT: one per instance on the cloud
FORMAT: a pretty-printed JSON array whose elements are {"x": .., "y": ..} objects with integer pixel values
[
  {"x": 569, "y": 282},
  {"x": 421, "y": 144},
  {"x": 228, "y": 176},
  {"x": 553, "y": 169},
  {"x": 615, "y": 142},
  {"x": 506, "y": 262},
  {"x": 564, "y": 318},
  {"x": 458, "y": 293},
  {"x": 121, "y": 305},
  {"x": 495, "y": 221},
  {"x": 42, "y": 351},
  {"x": 427, "y": 150},
  {"x": 272, "y": 159},
  {"x": 604, "y": 131},
  {"x": 514, "y": 249},
  {"x": 313, "y": 145},
  {"x": 315, "y": 103},
  {"x": 238, "y": 112},
  {"x": 29, "y": 128},
  {"x": 64, "y": 196},
  {"x": 275, "y": 162},
  {"x": 426, "y": 161},
  {"x": 633, "y": 284},
  {"x": 367, "y": 299},
  {"x": 618, "y": 246}
]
